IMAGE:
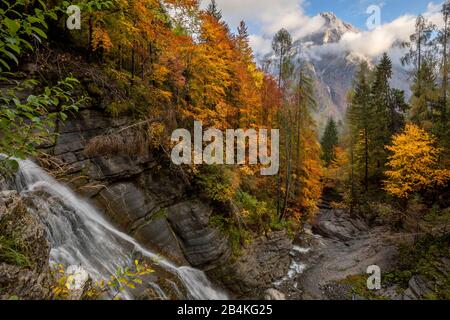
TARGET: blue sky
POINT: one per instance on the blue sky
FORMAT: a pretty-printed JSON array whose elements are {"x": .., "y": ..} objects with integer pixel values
[
  {"x": 354, "y": 12},
  {"x": 300, "y": 18}
]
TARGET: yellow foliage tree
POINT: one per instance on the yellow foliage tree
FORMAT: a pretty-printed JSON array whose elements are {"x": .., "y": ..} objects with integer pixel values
[
  {"x": 336, "y": 174},
  {"x": 414, "y": 163}
]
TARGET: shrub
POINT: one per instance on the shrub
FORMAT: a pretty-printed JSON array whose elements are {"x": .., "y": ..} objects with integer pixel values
[
  {"x": 12, "y": 252},
  {"x": 218, "y": 183}
]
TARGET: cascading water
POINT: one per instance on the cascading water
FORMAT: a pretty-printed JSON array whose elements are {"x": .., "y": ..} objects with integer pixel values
[{"x": 79, "y": 235}]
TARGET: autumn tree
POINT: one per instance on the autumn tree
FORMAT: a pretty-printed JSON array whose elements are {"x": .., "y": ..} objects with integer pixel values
[
  {"x": 300, "y": 161},
  {"x": 214, "y": 11},
  {"x": 336, "y": 174},
  {"x": 413, "y": 165}
]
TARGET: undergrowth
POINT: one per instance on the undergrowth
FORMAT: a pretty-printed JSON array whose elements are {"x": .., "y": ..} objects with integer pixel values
[{"x": 11, "y": 252}]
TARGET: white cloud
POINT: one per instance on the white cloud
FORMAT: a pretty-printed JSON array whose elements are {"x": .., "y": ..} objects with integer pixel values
[
  {"x": 261, "y": 45},
  {"x": 268, "y": 16},
  {"x": 382, "y": 39}
]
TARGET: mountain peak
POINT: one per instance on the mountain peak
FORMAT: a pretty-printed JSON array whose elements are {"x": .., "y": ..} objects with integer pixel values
[
  {"x": 332, "y": 30},
  {"x": 329, "y": 16}
]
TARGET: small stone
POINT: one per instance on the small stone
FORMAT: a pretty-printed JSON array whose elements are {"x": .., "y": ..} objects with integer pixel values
[
  {"x": 274, "y": 294},
  {"x": 78, "y": 282}
]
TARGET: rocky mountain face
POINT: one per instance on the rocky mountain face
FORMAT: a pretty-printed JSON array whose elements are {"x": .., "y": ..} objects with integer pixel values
[
  {"x": 333, "y": 71},
  {"x": 331, "y": 32}
]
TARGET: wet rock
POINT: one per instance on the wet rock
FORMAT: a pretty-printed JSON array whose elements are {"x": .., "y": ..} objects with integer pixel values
[
  {"x": 78, "y": 282},
  {"x": 343, "y": 246},
  {"x": 158, "y": 234},
  {"x": 391, "y": 293},
  {"x": 203, "y": 246},
  {"x": 23, "y": 283},
  {"x": 24, "y": 228},
  {"x": 126, "y": 203}
]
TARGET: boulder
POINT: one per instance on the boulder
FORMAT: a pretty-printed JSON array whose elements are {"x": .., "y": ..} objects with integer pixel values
[
  {"x": 337, "y": 224},
  {"x": 418, "y": 288},
  {"x": 260, "y": 264},
  {"x": 28, "y": 279}
]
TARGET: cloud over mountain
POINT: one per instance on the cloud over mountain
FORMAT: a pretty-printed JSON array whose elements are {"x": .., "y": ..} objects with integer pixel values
[
  {"x": 269, "y": 16},
  {"x": 382, "y": 39}
]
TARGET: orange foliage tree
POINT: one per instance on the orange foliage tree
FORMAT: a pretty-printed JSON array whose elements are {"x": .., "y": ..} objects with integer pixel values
[{"x": 414, "y": 163}]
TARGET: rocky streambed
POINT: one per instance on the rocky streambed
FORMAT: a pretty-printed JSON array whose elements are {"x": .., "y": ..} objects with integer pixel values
[{"x": 336, "y": 248}]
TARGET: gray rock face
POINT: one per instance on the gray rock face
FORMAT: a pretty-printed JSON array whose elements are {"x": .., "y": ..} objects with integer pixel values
[
  {"x": 125, "y": 202},
  {"x": 139, "y": 194},
  {"x": 333, "y": 69},
  {"x": 28, "y": 281},
  {"x": 158, "y": 233},
  {"x": 261, "y": 263},
  {"x": 152, "y": 203},
  {"x": 204, "y": 247},
  {"x": 337, "y": 225}
]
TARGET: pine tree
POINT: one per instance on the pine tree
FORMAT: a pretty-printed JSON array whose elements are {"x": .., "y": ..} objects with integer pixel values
[
  {"x": 329, "y": 142},
  {"x": 308, "y": 169},
  {"x": 425, "y": 97},
  {"x": 419, "y": 45},
  {"x": 360, "y": 116},
  {"x": 282, "y": 46},
  {"x": 443, "y": 132},
  {"x": 380, "y": 99},
  {"x": 243, "y": 42}
]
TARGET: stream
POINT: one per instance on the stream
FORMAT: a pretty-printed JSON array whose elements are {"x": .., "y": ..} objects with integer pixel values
[{"x": 330, "y": 249}]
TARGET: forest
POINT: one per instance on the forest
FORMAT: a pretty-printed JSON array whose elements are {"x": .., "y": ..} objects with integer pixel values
[{"x": 163, "y": 64}]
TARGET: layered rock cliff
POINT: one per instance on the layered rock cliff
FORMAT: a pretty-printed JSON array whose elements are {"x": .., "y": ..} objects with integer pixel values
[{"x": 148, "y": 198}]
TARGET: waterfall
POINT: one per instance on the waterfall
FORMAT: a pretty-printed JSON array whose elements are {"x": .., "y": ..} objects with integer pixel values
[{"x": 80, "y": 235}]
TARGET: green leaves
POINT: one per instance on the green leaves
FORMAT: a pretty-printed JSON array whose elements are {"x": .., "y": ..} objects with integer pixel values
[
  {"x": 12, "y": 25},
  {"x": 39, "y": 32},
  {"x": 26, "y": 123},
  {"x": 17, "y": 28}
]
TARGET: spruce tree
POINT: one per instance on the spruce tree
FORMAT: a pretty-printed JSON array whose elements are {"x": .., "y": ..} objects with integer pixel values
[
  {"x": 282, "y": 46},
  {"x": 443, "y": 131},
  {"x": 425, "y": 97},
  {"x": 419, "y": 45},
  {"x": 329, "y": 142},
  {"x": 360, "y": 116}
]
